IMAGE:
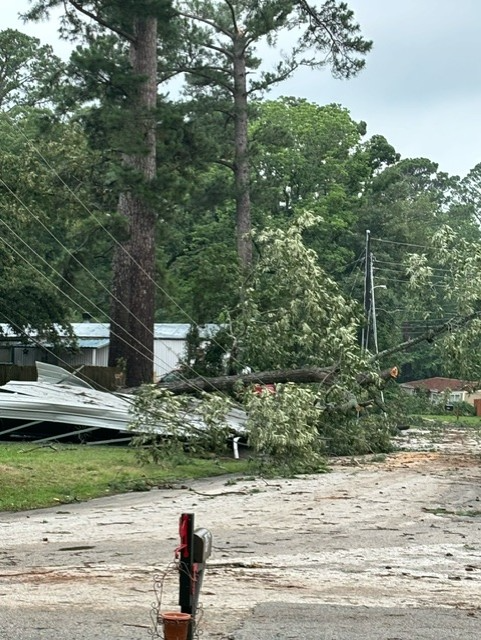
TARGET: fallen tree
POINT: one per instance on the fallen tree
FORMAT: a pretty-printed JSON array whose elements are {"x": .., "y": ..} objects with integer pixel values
[
  {"x": 286, "y": 328},
  {"x": 325, "y": 376}
]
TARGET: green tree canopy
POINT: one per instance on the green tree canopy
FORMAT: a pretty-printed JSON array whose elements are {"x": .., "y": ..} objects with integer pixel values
[
  {"x": 29, "y": 71},
  {"x": 223, "y": 67},
  {"x": 53, "y": 206}
]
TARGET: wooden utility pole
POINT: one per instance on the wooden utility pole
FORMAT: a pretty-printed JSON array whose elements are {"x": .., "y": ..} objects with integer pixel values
[{"x": 367, "y": 293}]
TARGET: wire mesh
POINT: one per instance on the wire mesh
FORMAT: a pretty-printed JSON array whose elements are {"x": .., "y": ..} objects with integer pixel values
[{"x": 166, "y": 591}]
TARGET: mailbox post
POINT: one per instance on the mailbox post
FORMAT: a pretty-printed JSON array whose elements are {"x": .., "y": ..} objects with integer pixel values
[
  {"x": 186, "y": 567},
  {"x": 194, "y": 550}
]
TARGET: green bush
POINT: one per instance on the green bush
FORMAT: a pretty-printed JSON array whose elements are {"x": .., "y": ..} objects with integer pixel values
[
  {"x": 405, "y": 404},
  {"x": 463, "y": 409}
]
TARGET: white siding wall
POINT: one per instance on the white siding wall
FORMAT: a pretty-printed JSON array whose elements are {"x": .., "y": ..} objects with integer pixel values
[
  {"x": 27, "y": 356},
  {"x": 84, "y": 356},
  {"x": 166, "y": 355},
  {"x": 102, "y": 357}
]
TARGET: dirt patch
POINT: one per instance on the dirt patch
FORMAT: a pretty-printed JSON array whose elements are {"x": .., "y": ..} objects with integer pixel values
[
  {"x": 7, "y": 469},
  {"x": 433, "y": 460},
  {"x": 413, "y": 459}
]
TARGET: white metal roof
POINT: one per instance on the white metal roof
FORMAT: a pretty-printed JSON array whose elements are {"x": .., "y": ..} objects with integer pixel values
[
  {"x": 93, "y": 343},
  {"x": 162, "y": 330},
  {"x": 101, "y": 330}
]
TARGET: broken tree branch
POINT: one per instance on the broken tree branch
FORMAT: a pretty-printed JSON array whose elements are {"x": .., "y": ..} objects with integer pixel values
[
  {"x": 226, "y": 384},
  {"x": 325, "y": 376},
  {"x": 451, "y": 325}
]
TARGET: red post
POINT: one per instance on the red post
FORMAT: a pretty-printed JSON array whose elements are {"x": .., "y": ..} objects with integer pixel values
[{"x": 186, "y": 568}]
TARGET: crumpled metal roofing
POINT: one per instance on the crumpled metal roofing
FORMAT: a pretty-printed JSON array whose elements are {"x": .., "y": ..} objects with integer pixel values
[{"x": 60, "y": 397}]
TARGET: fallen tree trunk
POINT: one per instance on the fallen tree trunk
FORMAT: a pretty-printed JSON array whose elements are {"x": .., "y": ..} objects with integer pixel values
[
  {"x": 321, "y": 375},
  {"x": 325, "y": 376}
]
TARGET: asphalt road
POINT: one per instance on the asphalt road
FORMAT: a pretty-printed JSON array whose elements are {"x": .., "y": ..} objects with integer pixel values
[
  {"x": 273, "y": 621},
  {"x": 281, "y": 620},
  {"x": 385, "y": 551},
  {"x": 25, "y": 623}
]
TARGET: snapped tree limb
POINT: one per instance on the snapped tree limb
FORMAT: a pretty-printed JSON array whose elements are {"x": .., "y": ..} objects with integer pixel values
[
  {"x": 455, "y": 324},
  {"x": 325, "y": 376}
]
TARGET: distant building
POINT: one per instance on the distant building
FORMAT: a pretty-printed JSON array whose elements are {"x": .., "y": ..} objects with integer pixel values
[
  {"x": 93, "y": 346},
  {"x": 447, "y": 390}
]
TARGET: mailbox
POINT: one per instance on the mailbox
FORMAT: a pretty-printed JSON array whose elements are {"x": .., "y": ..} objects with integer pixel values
[{"x": 202, "y": 545}]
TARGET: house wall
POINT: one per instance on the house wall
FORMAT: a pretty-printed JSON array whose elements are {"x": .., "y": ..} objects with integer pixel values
[
  {"x": 6, "y": 355},
  {"x": 454, "y": 396},
  {"x": 167, "y": 354},
  {"x": 95, "y": 357},
  {"x": 471, "y": 397},
  {"x": 101, "y": 357},
  {"x": 25, "y": 356},
  {"x": 458, "y": 396}
]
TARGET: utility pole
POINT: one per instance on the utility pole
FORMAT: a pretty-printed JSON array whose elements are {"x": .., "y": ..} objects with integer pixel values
[
  {"x": 373, "y": 308},
  {"x": 368, "y": 291},
  {"x": 369, "y": 303}
]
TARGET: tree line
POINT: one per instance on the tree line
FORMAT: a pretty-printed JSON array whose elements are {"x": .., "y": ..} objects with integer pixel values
[{"x": 221, "y": 205}]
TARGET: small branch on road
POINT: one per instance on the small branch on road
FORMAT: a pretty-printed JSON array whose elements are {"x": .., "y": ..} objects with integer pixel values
[{"x": 216, "y": 495}]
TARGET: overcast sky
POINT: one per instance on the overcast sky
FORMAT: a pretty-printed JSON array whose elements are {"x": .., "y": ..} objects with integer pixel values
[{"x": 421, "y": 88}]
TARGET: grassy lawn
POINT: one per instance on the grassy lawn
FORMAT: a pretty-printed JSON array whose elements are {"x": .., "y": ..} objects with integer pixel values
[
  {"x": 453, "y": 419},
  {"x": 33, "y": 477}
]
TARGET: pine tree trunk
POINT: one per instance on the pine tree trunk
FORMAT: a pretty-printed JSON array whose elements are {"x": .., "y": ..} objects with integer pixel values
[
  {"x": 241, "y": 156},
  {"x": 133, "y": 289}
]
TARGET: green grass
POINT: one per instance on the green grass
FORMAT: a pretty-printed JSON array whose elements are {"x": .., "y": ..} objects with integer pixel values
[
  {"x": 33, "y": 477},
  {"x": 452, "y": 419}
]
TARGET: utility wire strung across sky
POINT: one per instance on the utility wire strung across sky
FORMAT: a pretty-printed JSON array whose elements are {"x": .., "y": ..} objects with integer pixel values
[
  {"x": 107, "y": 231},
  {"x": 379, "y": 274},
  {"x": 185, "y": 313},
  {"x": 49, "y": 280},
  {"x": 383, "y": 268}
]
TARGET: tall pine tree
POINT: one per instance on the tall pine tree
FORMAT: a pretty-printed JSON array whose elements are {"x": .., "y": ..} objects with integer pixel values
[
  {"x": 222, "y": 37},
  {"x": 127, "y": 82}
]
